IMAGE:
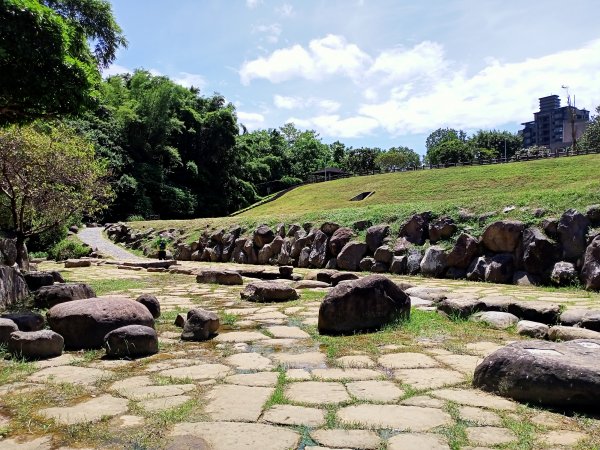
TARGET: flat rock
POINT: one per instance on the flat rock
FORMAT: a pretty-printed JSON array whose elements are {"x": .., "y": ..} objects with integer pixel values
[
  {"x": 286, "y": 332},
  {"x": 311, "y": 284},
  {"x": 240, "y": 336},
  {"x": 87, "y": 411},
  {"x": 399, "y": 417},
  {"x": 317, "y": 392},
  {"x": 375, "y": 391},
  {"x": 562, "y": 333},
  {"x": 42, "y": 443},
  {"x": 300, "y": 360},
  {"x": 424, "y": 401},
  {"x": 495, "y": 319},
  {"x": 429, "y": 378},
  {"x": 249, "y": 361},
  {"x": 294, "y": 415},
  {"x": 346, "y": 374},
  {"x": 359, "y": 439},
  {"x": 479, "y": 416},
  {"x": 531, "y": 329},
  {"x": 229, "y": 402},
  {"x": 238, "y": 436},
  {"x": 490, "y": 435},
  {"x": 261, "y": 379},
  {"x": 164, "y": 403},
  {"x": 356, "y": 361},
  {"x": 297, "y": 375},
  {"x": 198, "y": 372},
  {"x": 417, "y": 441},
  {"x": 407, "y": 361},
  {"x": 66, "y": 374},
  {"x": 462, "y": 363},
  {"x": 268, "y": 291},
  {"x": 563, "y": 438},
  {"x": 475, "y": 398},
  {"x": 555, "y": 374}
]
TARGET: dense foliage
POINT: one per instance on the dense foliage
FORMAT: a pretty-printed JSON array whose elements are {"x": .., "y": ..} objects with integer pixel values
[
  {"x": 47, "y": 68},
  {"x": 591, "y": 136}
]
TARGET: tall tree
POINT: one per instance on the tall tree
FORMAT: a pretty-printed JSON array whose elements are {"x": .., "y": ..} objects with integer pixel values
[
  {"x": 444, "y": 134},
  {"x": 591, "y": 137},
  {"x": 47, "y": 176},
  {"x": 398, "y": 158},
  {"x": 497, "y": 141},
  {"x": 47, "y": 68}
]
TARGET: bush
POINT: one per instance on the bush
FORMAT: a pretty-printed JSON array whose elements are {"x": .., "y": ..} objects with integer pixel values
[
  {"x": 46, "y": 240},
  {"x": 68, "y": 248},
  {"x": 135, "y": 218}
]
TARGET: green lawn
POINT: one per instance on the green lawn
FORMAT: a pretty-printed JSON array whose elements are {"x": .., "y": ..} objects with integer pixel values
[{"x": 553, "y": 184}]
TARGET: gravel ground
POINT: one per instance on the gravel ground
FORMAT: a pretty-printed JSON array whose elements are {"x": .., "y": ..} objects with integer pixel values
[{"x": 94, "y": 238}]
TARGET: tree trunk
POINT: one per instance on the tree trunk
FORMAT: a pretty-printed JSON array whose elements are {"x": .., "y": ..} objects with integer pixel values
[{"x": 20, "y": 244}]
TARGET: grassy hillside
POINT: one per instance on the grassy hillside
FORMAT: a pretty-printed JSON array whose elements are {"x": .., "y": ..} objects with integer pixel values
[{"x": 554, "y": 185}]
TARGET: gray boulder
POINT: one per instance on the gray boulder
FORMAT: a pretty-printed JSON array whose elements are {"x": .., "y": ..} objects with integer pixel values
[
  {"x": 477, "y": 269},
  {"x": 522, "y": 278},
  {"x": 200, "y": 325},
  {"x": 564, "y": 274},
  {"x": 500, "y": 268},
  {"x": 318, "y": 251},
  {"x": 35, "y": 344},
  {"x": 304, "y": 258},
  {"x": 402, "y": 246},
  {"x": 131, "y": 341},
  {"x": 183, "y": 252},
  {"x": 366, "y": 264},
  {"x": 398, "y": 265},
  {"x": 454, "y": 273},
  {"x": 151, "y": 303},
  {"x": 339, "y": 239},
  {"x": 531, "y": 329},
  {"x": 495, "y": 319},
  {"x": 441, "y": 229},
  {"x": 565, "y": 375},
  {"x": 13, "y": 288},
  {"x": 25, "y": 320},
  {"x": 361, "y": 225},
  {"x": 590, "y": 271},
  {"x": 48, "y": 296},
  {"x": 350, "y": 256},
  {"x": 215, "y": 276},
  {"x": 562, "y": 333},
  {"x": 379, "y": 267},
  {"x": 362, "y": 305},
  {"x": 280, "y": 230},
  {"x": 539, "y": 252},
  {"x": 77, "y": 263},
  {"x": 593, "y": 215},
  {"x": 338, "y": 277},
  {"x": 464, "y": 251},
  {"x": 329, "y": 228},
  {"x": 384, "y": 255},
  {"x": 572, "y": 230},
  {"x": 84, "y": 323},
  {"x": 270, "y": 250},
  {"x": 268, "y": 291},
  {"x": 413, "y": 262},
  {"x": 503, "y": 236},
  {"x": 7, "y": 327},
  {"x": 376, "y": 235},
  {"x": 263, "y": 235},
  {"x": 36, "y": 280},
  {"x": 550, "y": 227},
  {"x": 415, "y": 229},
  {"x": 434, "y": 263}
]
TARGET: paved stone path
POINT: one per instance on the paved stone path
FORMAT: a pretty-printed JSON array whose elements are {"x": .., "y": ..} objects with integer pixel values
[
  {"x": 95, "y": 239},
  {"x": 269, "y": 381}
]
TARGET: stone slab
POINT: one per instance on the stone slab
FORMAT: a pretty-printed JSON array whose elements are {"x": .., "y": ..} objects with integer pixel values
[
  {"x": 229, "y": 402},
  {"x": 260, "y": 379},
  {"x": 164, "y": 403},
  {"x": 489, "y": 435},
  {"x": 88, "y": 411},
  {"x": 407, "y": 360},
  {"x": 358, "y": 439},
  {"x": 475, "y": 398},
  {"x": 198, "y": 372},
  {"x": 335, "y": 374},
  {"x": 294, "y": 415},
  {"x": 249, "y": 361},
  {"x": 417, "y": 441},
  {"x": 66, "y": 374},
  {"x": 240, "y": 336},
  {"x": 301, "y": 360},
  {"x": 429, "y": 378},
  {"x": 375, "y": 391},
  {"x": 399, "y": 417},
  {"x": 317, "y": 392},
  {"x": 286, "y": 332}
]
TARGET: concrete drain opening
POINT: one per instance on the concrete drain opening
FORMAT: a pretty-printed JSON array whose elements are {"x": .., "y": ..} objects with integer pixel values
[{"x": 361, "y": 196}]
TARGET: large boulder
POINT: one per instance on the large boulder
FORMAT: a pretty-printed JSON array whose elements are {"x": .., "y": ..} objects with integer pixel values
[
  {"x": 48, "y": 296},
  {"x": 366, "y": 264},
  {"x": 572, "y": 230},
  {"x": 183, "y": 252},
  {"x": 151, "y": 303},
  {"x": 26, "y": 320},
  {"x": 565, "y": 375},
  {"x": 215, "y": 276},
  {"x": 13, "y": 288},
  {"x": 200, "y": 325},
  {"x": 562, "y": 333},
  {"x": 364, "y": 304},
  {"x": 413, "y": 261},
  {"x": 477, "y": 269},
  {"x": 269, "y": 291},
  {"x": 441, "y": 229},
  {"x": 434, "y": 262},
  {"x": 77, "y": 263},
  {"x": 539, "y": 252},
  {"x": 318, "y": 251},
  {"x": 270, "y": 250},
  {"x": 590, "y": 271},
  {"x": 398, "y": 265},
  {"x": 351, "y": 254},
  {"x": 415, "y": 229},
  {"x": 36, "y": 280},
  {"x": 263, "y": 235},
  {"x": 339, "y": 239},
  {"x": 500, "y": 268},
  {"x": 503, "y": 236},
  {"x": 384, "y": 254},
  {"x": 564, "y": 274},
  {"x": 8, "y": 251},
  {"x": 495, "y": 319},
  {"x": 35, "y": 344},
  {"x": 329, "y": 228},
  {"x": 131, "y": 341},
  {"x": 84, "y": 323},
  {"x": 463, "y": 252},
  {"x": 593, "y": 215},
  {"x": 7, "y": 327},
  {"x": 229, "y": 243},
  {"x": 376, "y": 235}
]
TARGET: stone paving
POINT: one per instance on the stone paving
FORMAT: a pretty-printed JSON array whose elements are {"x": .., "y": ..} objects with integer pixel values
[{"x": 269, "y": 381}]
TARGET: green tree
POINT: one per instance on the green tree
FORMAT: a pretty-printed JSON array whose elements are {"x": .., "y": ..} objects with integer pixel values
[
  {"x": 362, "y": 160},
  {"x": 591, "y": 137},
  {"x": 444, "y": 134},
  {"x": 306, "y": 152},
  {"x": 48, "y": 175},
  {"x": 496, "y": 141},
  {"x": 450, "y": 151},
  {"x": 338, "y": 153},
  {"x": 398, "y": 158},
  {"x": 47, "y": 68}
]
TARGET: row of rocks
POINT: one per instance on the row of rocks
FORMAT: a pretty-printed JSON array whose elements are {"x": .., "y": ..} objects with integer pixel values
[{"x": 560, "y": 251}]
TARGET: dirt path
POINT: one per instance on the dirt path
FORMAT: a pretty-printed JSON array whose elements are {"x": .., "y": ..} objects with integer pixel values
[{"x": 95, "y": 239}]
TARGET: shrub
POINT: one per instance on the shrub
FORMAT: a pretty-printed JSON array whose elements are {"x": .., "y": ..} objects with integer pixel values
[
  {"x": 68, "y": 248},
  {"x": 135, "y": 218}
]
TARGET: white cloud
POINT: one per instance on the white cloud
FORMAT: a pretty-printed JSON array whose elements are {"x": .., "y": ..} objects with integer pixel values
[
  {"x": 500, "y": 93},
  {"x": 286, "y": 10},
  {"x": 331, "y": 55},
  {"x": 252, "y": 121},
  {"x": 334, "y": 126},
  {"x": 321, "y": 105},
  {"x": 115, "y": 69},
  {"x": 271, "y": 32},
  {"x": 190, "y": 79},
  {"x": 253, "y": 3}
]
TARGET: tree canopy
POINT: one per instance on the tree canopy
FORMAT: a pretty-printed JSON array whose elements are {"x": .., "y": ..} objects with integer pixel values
[
  {"x": 47, "y": 68},
  {"x": 48, "y": 174}
]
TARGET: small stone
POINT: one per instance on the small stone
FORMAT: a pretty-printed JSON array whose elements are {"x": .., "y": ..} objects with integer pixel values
[
  {"x": 150, "y": 302},
  {"x": 131, "y": 341},
  {"x": 531, "y": 329},
  {"x": 495, "y": 319},
  {"x": 287, "y": 332},
  {"x": 35, "y": 344},
  {"x": 200, "y": 325}
]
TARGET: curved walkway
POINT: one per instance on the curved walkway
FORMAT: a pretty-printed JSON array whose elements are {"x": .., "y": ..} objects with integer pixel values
[{"x": 95, "y": 239}]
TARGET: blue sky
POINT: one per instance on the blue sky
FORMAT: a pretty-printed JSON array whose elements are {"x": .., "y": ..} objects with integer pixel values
[{"x": 378, "y": 73}]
